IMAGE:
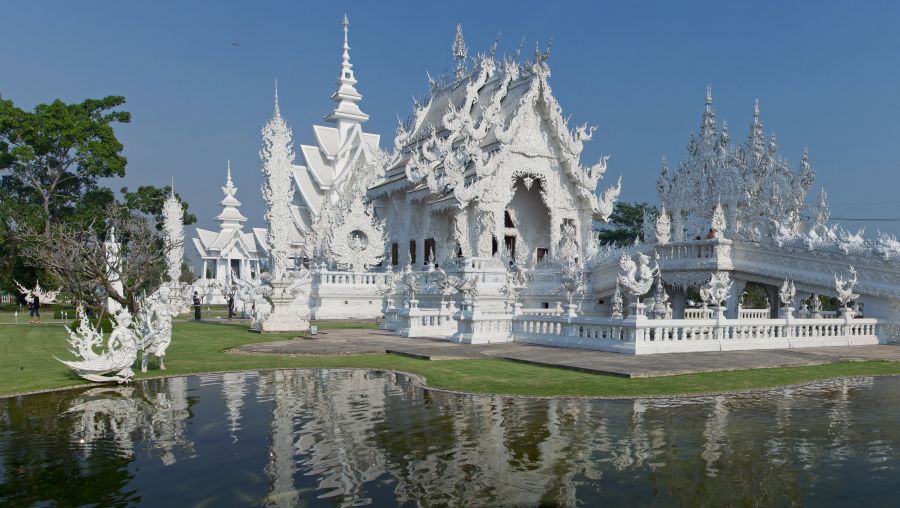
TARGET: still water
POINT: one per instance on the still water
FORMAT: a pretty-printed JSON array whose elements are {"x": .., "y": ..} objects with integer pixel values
[{"x": 353, "y": 438}]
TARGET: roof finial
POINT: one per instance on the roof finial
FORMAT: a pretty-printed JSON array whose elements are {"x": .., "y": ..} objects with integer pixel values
[
  {"x": 346, "y": 56},
  {"x": 459, "y": 52},
  {"x": 228, "y": 182},
  {"x": 708, "y": 95},
  {"x": 494, "y": 45},
  {"x": 346, "y": 95},
  {"x": 277, "y": 107},
  {"x": 172, "y": 187}
]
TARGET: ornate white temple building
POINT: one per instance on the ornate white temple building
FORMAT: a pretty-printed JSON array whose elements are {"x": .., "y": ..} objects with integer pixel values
[
  {"x": 229, "y": 253},
  {"x": 476, "y": 226}
]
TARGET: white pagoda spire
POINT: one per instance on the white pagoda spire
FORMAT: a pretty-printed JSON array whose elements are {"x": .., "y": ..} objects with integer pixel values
[
  {"x": 346, "y": 95},
  {"x": 459, "y": 52},
  {"x": 230, "y": 217}
]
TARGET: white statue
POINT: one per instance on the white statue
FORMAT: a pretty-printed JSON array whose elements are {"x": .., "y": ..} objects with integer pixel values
[
  {"x": 254, "y": 293},
  {"x": 845, "y": 288},
  {"x": 663, "y": 227},
  {"x": 717, "y": 290},
  {"x": 357, "y": 243},
  {"x": 661, "y": 306},
  {"x": 44, "y": 296},
  {"x": 638, "y": 277},
  {"x": 154, "y": 322},
  {"x": 787, "y": 293},
  {"x": 409, "y": 283},
  {"x": 113, "y": 364},
  {"x": 515, "y": 281},
  {"x": 617, "y": 310}
]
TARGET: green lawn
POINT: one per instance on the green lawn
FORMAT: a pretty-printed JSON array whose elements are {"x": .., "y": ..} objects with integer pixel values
[{"x": 26, "y": 364}]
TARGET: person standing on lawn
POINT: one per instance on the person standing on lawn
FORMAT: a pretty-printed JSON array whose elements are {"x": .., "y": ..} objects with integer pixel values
[
  {"x": 196, "y": 306},
  {"x": 36, "y": 308}
]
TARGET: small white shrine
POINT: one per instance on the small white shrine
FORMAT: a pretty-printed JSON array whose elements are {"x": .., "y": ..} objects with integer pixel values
[
  {"x": 229, "y": 253},
  {"x": 477, "y": 227}
]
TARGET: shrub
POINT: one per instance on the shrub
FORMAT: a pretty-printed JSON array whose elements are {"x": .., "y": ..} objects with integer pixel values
[{"x": 105, "y": 327}]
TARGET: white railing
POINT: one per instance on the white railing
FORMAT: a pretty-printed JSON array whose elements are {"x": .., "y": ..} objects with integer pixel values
[
  {"x": 556, "y": 311},
  {"x": 646, "y": 336},
  {"x": 697, "y": 313},
  {"x": 349, "y": 278},
  {"x": 483, "y": 328},
  {"x": 754, "y": 313}
]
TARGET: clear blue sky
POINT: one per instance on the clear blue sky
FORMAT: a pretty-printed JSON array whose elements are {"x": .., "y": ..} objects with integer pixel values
[{"x": 826, "y": 73}]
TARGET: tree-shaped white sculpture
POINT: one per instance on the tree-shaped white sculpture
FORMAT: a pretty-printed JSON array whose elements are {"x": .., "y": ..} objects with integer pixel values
[
  {"x": 114, "y": 363},
  {"x": 277, "y": 156}
]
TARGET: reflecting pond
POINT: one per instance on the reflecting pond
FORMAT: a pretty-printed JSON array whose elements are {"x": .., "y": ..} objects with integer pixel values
[{"x": 338, "y": 437}]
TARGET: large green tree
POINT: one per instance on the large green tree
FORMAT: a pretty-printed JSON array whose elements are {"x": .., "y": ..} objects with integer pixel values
[
  {"x": 149, "y": 200},
  {"x": 55, "y": 154},
  {"x": 624, "y": 224},
  {"x": 51, "y": 163}
]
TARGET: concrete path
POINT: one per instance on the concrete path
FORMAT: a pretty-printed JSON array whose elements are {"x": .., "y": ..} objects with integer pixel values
[{"x": 331, "y": 342}]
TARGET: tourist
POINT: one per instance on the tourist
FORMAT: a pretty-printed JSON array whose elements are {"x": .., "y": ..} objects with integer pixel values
[
  {"x": 711, "y": 234},
  {"x": 196, "y": 306},
  {"x": 230, "y": 306},
  {"x": 36, "y": 308}
]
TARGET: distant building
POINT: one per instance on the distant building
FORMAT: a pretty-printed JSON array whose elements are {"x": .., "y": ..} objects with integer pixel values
[{"x": 229, "y": 253}]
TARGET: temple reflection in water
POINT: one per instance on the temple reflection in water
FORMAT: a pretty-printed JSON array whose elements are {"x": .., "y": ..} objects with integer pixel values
[{"x": 284, "y": 438}]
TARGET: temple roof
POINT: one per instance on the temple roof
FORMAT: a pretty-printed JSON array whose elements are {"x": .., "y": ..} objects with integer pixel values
[{"x": 230, "y": 217}]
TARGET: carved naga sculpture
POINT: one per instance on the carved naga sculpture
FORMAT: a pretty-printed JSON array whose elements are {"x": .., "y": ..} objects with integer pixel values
[
  {"x": 845, "y": 288},
  {"x": 112, "y": 365},
  {"x": 787, "y": 293},
  {"x": 636, "y": 278}
]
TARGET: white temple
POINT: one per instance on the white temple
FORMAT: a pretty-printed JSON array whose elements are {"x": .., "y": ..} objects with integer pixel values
[
  {"x": 331, "y": 166},
  {"x": 477, "y": 227},
  {"x": 229, "y": 253}
]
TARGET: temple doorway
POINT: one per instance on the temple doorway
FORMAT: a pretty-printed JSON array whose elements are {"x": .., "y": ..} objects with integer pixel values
[{"x": 526, "y": 221}]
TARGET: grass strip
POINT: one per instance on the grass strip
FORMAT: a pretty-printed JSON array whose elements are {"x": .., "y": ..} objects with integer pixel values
[{"x": 27, "y": 364}]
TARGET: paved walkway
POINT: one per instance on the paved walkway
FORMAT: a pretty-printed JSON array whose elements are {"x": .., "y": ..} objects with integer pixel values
[{"x": 331, "y": 342}]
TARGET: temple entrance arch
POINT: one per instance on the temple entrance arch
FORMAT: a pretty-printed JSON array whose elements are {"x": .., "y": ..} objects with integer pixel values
[{"x": 526, "y": 220}]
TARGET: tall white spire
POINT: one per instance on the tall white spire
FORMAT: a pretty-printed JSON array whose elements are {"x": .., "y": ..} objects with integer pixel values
[
  {"x": 230, "y": 217},
  {"x": 459, "y": 52},
  {"x": 346, "y": 95},
  {"x": 277, "y": 156}
]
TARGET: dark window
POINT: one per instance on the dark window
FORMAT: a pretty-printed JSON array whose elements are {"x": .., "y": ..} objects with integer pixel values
[
  {"x": 510, "y": 242},
  {"x": 545, "y": 305},
  {"x": 507, "y": 220},
  {"x": 412, "y": 252},
  {"x": 493, "y": 245},
  {"x": 429, "y": 249},
  {"x": 541, "y": 254},
  {"x": 395, "y": 254}
]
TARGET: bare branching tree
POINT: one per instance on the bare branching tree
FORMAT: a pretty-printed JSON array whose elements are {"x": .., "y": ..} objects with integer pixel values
[{"x": 83, "y": 261}]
